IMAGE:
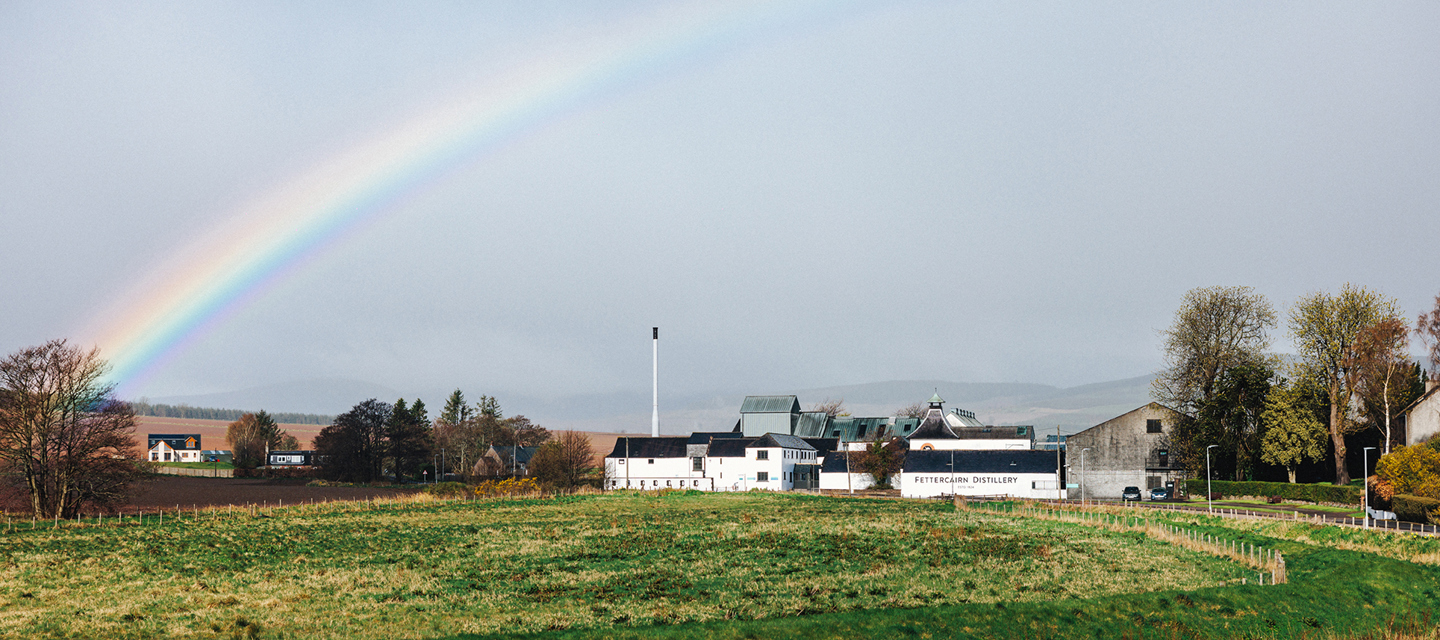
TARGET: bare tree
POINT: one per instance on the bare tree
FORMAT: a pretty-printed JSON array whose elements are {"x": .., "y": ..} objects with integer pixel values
[
  {"x": 1381, "y": 351},
  {"x": 64, "y": 438},
  {"x": 565, "y": 460},
  {"x": 1215, "y": 329},
  {"x": 1327, "y": 332},
  {"x": 1427, "y": 328},
  {"x": 831, "y": 408},
  {"x": 915, "y": 410}
]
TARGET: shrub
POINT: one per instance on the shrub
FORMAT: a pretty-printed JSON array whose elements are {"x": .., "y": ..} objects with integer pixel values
[
  {"x": 1414, "y": 508},
  {"x": 1412, "y": 471},
  {"x": 1301, "y": 492},
  {"x": 447, "y": 489}
]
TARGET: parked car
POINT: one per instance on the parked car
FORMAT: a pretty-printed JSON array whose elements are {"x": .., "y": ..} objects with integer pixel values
[
  {"x": 1130, "y": 493},
  {"x": 1159, "y": 493}
]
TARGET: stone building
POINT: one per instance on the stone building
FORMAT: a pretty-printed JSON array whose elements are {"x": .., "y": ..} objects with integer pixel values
[
  {"x": 1130, "y": 450},
  {"x": 1422, "y": 418}
]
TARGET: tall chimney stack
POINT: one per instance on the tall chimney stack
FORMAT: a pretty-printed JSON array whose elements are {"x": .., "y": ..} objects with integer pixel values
[{"x": 655, "y": 381}]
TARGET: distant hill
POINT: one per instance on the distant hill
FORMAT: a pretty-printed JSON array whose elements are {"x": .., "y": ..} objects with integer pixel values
[{"x": 326, "y": 396}]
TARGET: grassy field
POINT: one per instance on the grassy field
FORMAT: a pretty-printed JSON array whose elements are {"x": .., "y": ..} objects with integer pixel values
[{"x": 609, "y": 564}]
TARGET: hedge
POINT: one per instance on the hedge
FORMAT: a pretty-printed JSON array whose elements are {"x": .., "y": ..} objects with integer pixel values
[
  {"x": 1304, "y": 492},
  {"x": 1414, "y": 508}
]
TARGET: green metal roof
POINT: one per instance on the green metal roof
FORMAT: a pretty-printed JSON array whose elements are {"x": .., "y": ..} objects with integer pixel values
[
  {"x": 770, "y": 404},
  {"x": 935, "y": 399}
]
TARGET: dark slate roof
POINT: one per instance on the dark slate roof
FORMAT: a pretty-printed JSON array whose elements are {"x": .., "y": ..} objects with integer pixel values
[
  {"x": 770, "y": 404},
  {"x": 812, "y": 424},
  {"x": 523, "y": 457},
  {"x": 835, "y": 463},
  {"x": 823, "y": 446},
  {"x": 728, "y": 447},
  {"x": 662, "y": 447},
  {"x": 1016, "y": 461},
  {"x": 933, "y": 428},
  {"x": 704, "y": 437},
  {"x": 781, "y": 440}
]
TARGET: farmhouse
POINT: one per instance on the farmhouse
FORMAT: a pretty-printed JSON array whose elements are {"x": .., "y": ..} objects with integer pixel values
[
  {"x": 1422, "y": 418},
  {"x": 1130, "y": 450},
  {"x": 174, "y": 447},
  {"x": 504, "y": 461}
]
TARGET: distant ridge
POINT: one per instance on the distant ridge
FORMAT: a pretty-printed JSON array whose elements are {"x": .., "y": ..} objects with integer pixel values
[
  {"x": 207, "y": 413},
  {"x": 318, "y": 396}
]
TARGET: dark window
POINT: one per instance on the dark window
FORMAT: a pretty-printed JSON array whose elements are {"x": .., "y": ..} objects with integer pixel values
[
  {"x": 652, "y": 461},
  {"x": 763, "y": 476},
  {"x": 835, "y": 433},
  {"x": 860, "y": 433},
  {"x": 697, "y": 464},
  {"x": 1164, "y": 455},
  {"x": 762, "y": 455},
  {"x": 1152, "y": 426}
]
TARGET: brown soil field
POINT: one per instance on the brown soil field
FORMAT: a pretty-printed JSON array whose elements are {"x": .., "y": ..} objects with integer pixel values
[{"x": 165, "y": 492}]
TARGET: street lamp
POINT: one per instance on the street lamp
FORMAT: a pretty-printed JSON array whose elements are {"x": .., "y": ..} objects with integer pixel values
[
  {"x": 1083, "y": 479},
  {"x": 952, "y": 473},
  {"x": 1365, "y": 481},
  {"x": 442, "y": 462},
  {"x": 1209, "y": 495}
]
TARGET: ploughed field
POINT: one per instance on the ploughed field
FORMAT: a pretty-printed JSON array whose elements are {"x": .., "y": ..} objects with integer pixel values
[
  {"x": 165, "y": 492},
  {"x": 415, "y": 567}
]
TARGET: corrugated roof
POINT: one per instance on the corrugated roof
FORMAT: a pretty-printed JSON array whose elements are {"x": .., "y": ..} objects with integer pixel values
[
  {"x": 770, "y": 404},
  {"x": 980, "y": 461},
  {"x": 663, "y": 447},
  {"x": 1019, "y": 432},
  {"x": 812, "y": 424}
]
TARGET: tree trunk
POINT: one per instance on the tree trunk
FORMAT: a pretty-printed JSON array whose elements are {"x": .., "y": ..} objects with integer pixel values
[
  {"x": 1291, "y": 471},
  {"x": 1337, "y": 435}
]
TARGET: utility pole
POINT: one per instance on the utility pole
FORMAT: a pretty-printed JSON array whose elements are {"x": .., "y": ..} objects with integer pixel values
[
  {"x": 655, "y": 383},
  {"x": 1059, "y": 484}
]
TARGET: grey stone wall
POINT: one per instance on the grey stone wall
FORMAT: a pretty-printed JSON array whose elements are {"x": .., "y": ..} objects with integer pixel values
[{"x": 1123, "y": 454}]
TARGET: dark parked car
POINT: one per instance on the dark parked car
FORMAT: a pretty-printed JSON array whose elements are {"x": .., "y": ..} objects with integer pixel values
[
  {"x": 1130, "y": 493},
  {"x": 1159, "y": 493}
]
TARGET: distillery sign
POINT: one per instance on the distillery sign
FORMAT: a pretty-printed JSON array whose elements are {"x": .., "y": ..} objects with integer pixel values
[{"x": 970, "y": 479}]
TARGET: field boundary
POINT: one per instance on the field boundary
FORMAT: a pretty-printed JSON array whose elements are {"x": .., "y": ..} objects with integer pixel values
[{"x": 197, "y": 473}]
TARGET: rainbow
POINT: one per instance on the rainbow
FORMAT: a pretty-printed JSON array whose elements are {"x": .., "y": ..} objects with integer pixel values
[{"x": 278, "y": 233}]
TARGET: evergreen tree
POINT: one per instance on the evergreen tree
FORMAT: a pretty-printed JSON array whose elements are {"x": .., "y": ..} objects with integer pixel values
[
  {"x": 455, "y": 411},
  {"x": 353, "y": 448},
  {"x": 409, "y": 438}
]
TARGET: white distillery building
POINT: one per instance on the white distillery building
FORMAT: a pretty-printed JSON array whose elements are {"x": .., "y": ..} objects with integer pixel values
[
  {"x": 1013, "y": 473},
  {"x": 714, "y": 462}
]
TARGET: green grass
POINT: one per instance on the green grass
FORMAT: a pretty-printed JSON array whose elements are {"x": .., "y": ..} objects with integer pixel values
[
  {"x": 197, "y": 465},
  {"x": 1259, "y": 504},
  {"x": 608, "y": 564}
]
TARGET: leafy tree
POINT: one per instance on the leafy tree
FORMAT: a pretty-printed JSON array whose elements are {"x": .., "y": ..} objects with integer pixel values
[
  {"x": 287, "y": 443},
  {"x": 1293, "y": 431},
  {"x": 1230, "y": 418},
  {"x": 455, "y": 411},
  {"x": 882, "y": 460},
  {"x": 564, "y": 461},
  {"x": 408, "y": 437},
  {"x": 65, "y": 441},
  {"x": 353, "y": 448},
  {"x": 1216, "y": 329},
  {"x": 1327, "y": 332}
]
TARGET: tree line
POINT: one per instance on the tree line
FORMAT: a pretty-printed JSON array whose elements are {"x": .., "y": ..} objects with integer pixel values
[
  {"x": 144, "y": 408},
  {"x": 1351, "y": 376}
]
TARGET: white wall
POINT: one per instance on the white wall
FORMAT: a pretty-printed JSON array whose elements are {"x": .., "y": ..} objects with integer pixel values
[
  {"x": 1018, "y": 485},
  {"x": 836, "y": 481}
]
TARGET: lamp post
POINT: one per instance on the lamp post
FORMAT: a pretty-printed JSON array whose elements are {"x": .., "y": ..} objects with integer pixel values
[
  {"x": 442, "y": 462},
  {"x": 1083, "y": 479},
  {"x": 1209, "y": 495},
  {"x": 1365, "y": 481}
]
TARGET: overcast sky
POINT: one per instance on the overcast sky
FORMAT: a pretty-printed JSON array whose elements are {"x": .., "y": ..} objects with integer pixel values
[{"x": 979, "y": 192}]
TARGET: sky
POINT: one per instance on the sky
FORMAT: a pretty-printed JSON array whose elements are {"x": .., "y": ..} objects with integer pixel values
[{"x": 799, "y": 194}]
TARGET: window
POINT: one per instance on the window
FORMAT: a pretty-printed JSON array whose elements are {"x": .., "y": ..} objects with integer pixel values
[
  {"x": 697, "y": 464},
  {"x": 1164, "y": 455},
  {"x": 652, "y": 461},
  {"x": 763, "y": 476},
  {"x": 762, "y": 455},
  {"x": 1152, "y": 426},
  {"x": 860, "y": 433}
]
